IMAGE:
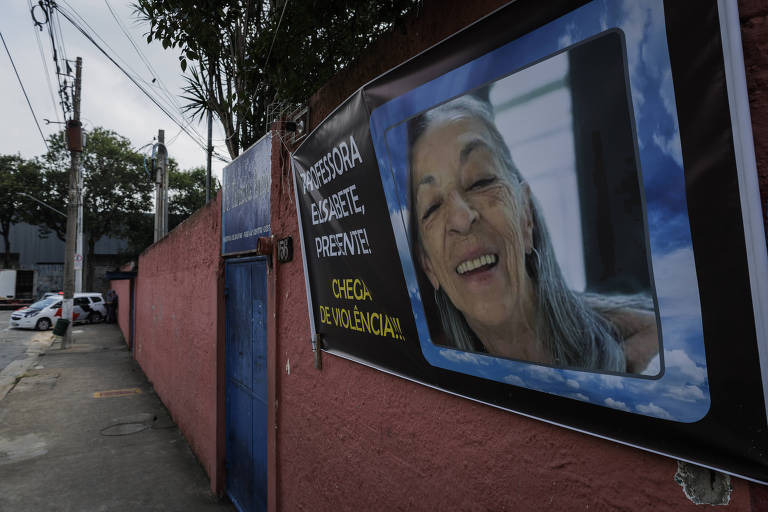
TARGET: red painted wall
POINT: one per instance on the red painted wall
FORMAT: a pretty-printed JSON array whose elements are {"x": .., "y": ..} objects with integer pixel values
[
  {"x": 123, "y": 289},
  {"x": 178, "y": 327},
  {"x": 353, "y": 438}
]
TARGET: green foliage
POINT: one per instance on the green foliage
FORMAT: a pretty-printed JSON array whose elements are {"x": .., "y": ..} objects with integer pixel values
[
  {"x": 115, "y": 185},
  {"x": 257, "y": 59},
  {"x": 187, "y": 193},
  {"x": 17, "y": 176}
]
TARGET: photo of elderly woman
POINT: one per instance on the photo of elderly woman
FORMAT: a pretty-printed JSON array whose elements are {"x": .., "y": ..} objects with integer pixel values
[{"x": 480, "y": 240}]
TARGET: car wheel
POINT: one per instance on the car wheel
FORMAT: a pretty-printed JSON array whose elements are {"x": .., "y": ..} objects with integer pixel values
[
  {"x": 43, "y": 324},
  {"x": 94, "y": 317}
]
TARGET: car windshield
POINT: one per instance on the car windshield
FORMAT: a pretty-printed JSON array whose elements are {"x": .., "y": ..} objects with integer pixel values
[{"x": 43, "y": 303}]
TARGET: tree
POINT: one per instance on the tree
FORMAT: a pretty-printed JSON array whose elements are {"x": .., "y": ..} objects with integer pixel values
[
  {"x": 17, "y": 176},
  {"x": 115, "y": 188},
  {"x": 263, "y": 51},
  {"x": 187, "y": 193}
]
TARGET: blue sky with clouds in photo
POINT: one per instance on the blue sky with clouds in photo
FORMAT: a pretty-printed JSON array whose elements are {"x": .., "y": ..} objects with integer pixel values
[{"x": 681, "y": 393}]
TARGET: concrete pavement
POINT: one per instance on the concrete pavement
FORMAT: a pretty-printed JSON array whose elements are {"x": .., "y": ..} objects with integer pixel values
[{"x": 82, "y": 430}]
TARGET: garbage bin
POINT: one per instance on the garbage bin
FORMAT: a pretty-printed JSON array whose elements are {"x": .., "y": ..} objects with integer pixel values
[{"x": 60, "y": 329}]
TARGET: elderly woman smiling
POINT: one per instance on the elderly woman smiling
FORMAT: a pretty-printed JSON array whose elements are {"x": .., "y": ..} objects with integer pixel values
[{"x": 484, "y": 247}]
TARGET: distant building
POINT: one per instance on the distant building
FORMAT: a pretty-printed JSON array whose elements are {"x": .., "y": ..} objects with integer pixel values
[{"x": 44, "y": 254}]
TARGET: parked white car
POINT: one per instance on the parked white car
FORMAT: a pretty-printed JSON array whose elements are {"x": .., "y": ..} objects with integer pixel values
[{"x": 42, "y": 315}]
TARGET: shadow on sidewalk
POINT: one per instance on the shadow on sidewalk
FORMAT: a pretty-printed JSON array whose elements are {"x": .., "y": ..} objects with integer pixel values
[{"x": 83, "y": 430}]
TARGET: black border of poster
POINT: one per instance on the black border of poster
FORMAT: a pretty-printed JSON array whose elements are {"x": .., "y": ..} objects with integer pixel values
[{"x": 732, "y": 436}]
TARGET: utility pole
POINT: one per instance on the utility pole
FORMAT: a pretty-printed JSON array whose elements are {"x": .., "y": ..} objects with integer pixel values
[
  {"x": 161, "y": 188},
  {"x": 75, "y": 144},
  {"x": 79, "y": 260},
  {"x": 210, "y": 135}
]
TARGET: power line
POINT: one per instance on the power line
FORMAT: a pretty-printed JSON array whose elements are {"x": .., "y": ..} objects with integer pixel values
[
  {"x": 45, "y": 64},
  {"x": 202, "y": 145},
  {"x": 25, "y": 92},
  {"x": 275, "y": 35},
  {"x": 155, "y": 76},
  {"x": 50, "y": 15},
  {"x": 131, "y": 73},
  {"x": 156, "y": 80}
]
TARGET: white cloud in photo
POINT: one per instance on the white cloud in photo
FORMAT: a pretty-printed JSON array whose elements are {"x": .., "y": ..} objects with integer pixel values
[
  {"x": 568, "y": 37},
  {"x": 635, "y": 18},
  {"x": 611, "y": 382},
  {"x": 654, "y": 42},
  {"x": 515, "y": 380},
  {"x": 670, "y": 146},
  {"x": 678, "y": 359},
  {"x": 652, "y": 409},
  {"x": 578, "y": 396},
  {"x": 604, "y": 21},
  {"x": 545, "y": 374},
  {"x": 571, "y": 383},
  {"x": 654, "y": 366},
  {"x": 457, "y": 356},
  {"x": 685, "y": 393},
  {"x": 616, "y": 404},
  {"x": 676, "y": 284}
]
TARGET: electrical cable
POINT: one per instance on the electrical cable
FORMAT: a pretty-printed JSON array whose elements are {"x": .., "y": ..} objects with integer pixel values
[
  {"x": 45, "y": 6},
  {"x": 170, "y": 98},
  {"x": 275, "y": 35},
  {"x": 153, "y": 73},
  {"x": 198, "y": 141},
  {"x": 25, "y": 92},
  {"x": 45, "y": 64}
]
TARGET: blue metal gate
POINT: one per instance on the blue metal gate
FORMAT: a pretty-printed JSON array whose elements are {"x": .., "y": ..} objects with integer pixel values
[{"x": 246, "y": 385}]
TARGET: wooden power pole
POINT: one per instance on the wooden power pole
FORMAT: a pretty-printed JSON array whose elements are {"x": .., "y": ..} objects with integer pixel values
[{"x": 75, "y": 145}]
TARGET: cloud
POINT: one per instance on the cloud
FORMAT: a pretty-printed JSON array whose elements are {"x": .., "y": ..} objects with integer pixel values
[
  {"x": 652, "y": 409},
  {"x": 542, "y": 373},
  {"x": 635, "y": 18},
  {"x": 604, "y": 21},
  {"x": 572, "y": 383},
  {"x": 464, "y": 357},
  {"x": 611, "y": 382},
  {"x": 654, "y": 366},
  {"x": 679, "y": 359},
  {"x": 675, "y": 276},
  {"x": 569, "y": 36},
  {"x": 615, "y": 404},
  {"x": 578, "y": 396},
  {"x": 670, "y": 146},
  {"x": 685, "y": 393},
  {"x": 514, "y": 379}
]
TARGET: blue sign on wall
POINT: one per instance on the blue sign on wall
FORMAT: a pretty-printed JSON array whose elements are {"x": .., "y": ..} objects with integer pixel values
[{"x": 245, "y": 204}]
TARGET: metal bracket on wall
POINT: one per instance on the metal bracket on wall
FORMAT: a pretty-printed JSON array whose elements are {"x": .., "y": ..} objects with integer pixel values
[{"x": 317, "y": 345}]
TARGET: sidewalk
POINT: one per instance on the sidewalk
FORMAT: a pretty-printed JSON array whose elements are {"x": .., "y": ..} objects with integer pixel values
[{"x": 82, "y": 430}]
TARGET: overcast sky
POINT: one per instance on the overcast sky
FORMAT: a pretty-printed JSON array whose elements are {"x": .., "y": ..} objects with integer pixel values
[{"x": 109, "y": 98}]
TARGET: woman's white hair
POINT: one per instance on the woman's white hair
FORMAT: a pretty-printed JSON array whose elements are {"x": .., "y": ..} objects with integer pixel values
[{"x": 574, "y": 333}]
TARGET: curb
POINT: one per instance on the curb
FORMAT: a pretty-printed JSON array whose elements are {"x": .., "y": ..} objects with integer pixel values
[{"x": 12, "y": 373}]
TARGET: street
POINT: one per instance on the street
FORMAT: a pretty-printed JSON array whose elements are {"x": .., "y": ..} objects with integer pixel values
[
  {"x": 18, "y": 351},
  {"x": 14, "y": 342}
]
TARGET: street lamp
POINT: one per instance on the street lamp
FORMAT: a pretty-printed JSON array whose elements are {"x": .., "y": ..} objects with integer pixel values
[{"x": 42, "y": 203}]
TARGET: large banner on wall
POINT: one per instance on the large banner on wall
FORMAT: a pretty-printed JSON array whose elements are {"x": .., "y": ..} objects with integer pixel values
[{"x": 549, "y": 212}]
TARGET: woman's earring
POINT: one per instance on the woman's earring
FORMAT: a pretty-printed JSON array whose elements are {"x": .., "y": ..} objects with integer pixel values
[{"x": 532, "y": 262}]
